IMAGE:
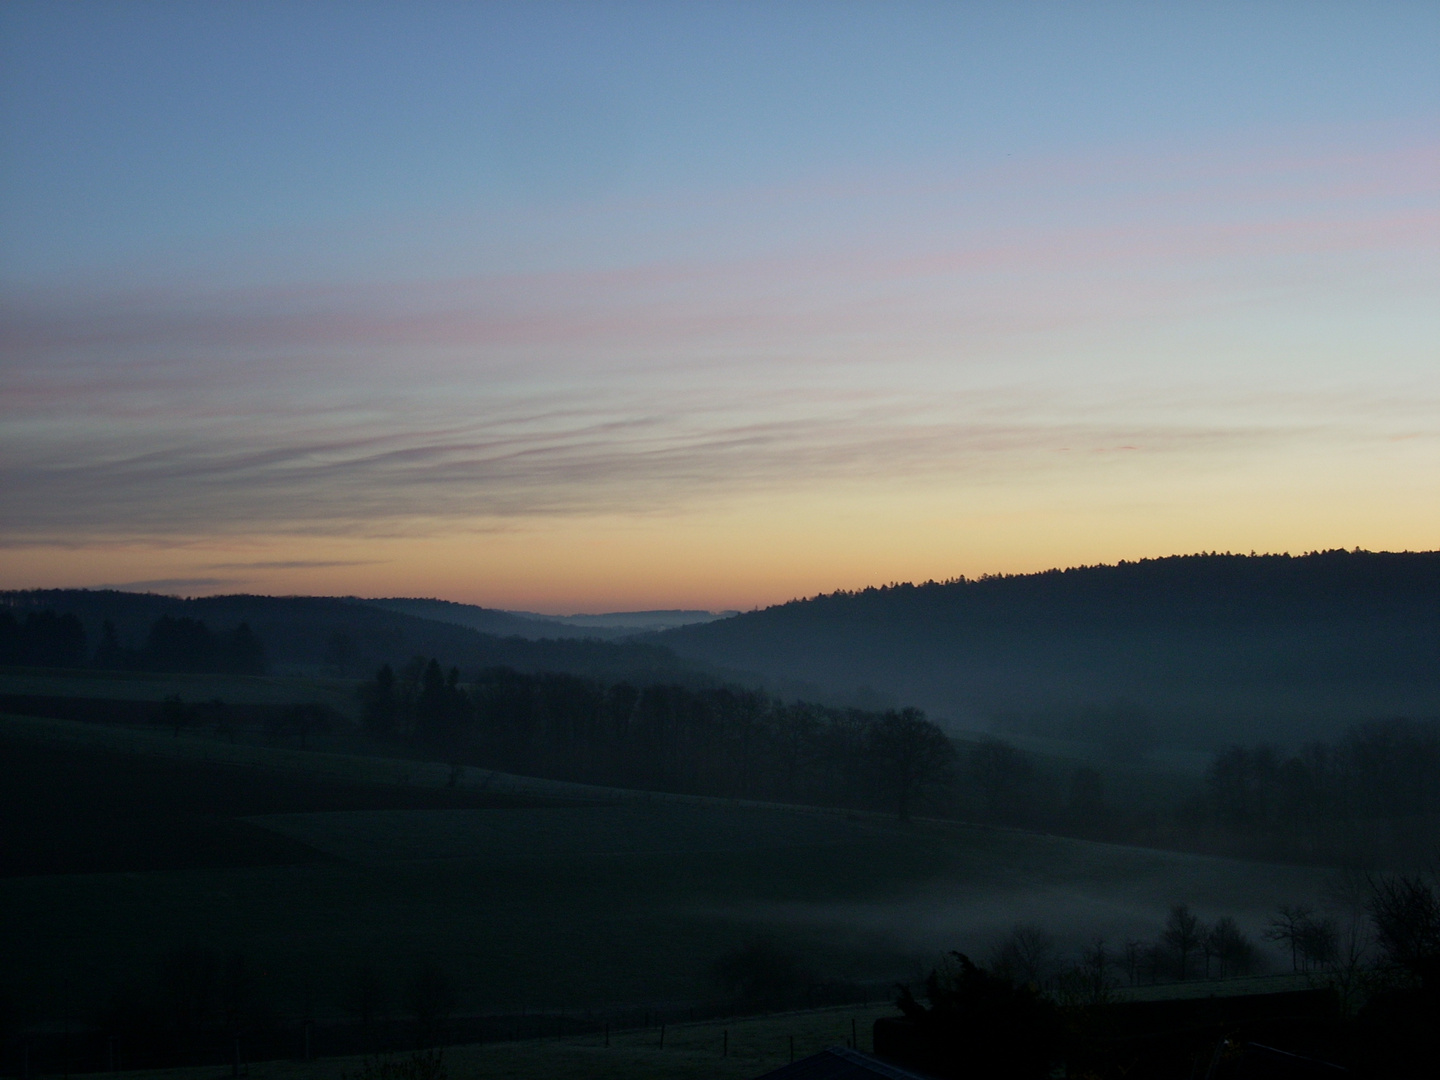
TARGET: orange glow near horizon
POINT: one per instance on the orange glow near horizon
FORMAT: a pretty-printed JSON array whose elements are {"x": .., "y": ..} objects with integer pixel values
[
  {"x": 756, "y": 551},
  {"x": 903, "y": 332}
]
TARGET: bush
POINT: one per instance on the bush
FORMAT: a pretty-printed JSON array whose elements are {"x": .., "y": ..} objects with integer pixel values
[{"x": 982, "y": 1024}]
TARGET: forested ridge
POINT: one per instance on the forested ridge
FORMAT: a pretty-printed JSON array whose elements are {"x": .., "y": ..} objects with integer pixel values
[{"x": 1208, "y": 646}]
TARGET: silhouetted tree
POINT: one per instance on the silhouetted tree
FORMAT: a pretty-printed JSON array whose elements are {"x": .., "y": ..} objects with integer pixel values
[
  {"x": 241, "y": 652},
  {"x": 1088, "y": 981},
  {"x": 1405, "y": 910},
  {"x": 442, "y": 711},
  {"x": 109, "y": 655},
  {"x": 1384, "y": 770},
  {"x": 43, "y": 639},
  {"x": 380, "y": 706},
  {"x": 1182, "y": 937},
  {"x": 1233, "y": 951},
  {"x": 1318, "y": 942},
  {"x": 1026, "y": 955},
  {"x": 910, "y": 754},
  {"x": 1289, "y": 927},
  {"x": 187, "y": 645}
]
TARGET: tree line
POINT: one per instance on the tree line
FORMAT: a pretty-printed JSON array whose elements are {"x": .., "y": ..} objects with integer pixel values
[
  {"x": 181, "y": 645},
  {"x": 1329, "y": 794},
  {"x": 1030, "y": 1008},
  {"x": 1378, "y": 931},
  {"x": 41, "y": 639},
  {"x": 713, "y": 741}
]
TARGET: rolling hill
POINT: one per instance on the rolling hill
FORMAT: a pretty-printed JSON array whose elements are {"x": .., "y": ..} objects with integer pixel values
[
  {"x": 1189, "y": 650},
  {"x": 342, "y": 636},
  {"x": 528, "y": 624}
]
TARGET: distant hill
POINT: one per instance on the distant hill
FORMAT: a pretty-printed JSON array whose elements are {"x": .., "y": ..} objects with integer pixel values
[
  {"x": 527, "y": 624},
  {"x": 305, "y": 634},
  {"x": 632, "y": 622},
  {"x": 1192, "y": 650},
  {"x": 486, "y": 620}
]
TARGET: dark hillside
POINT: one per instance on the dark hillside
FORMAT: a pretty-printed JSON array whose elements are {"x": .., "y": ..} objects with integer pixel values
[
  {"x": 608, "y": 627},
  {"x": 486, "y": 620},
  {"x": 1202, "y": 648},
  {"x": 307, "y": 634},
  {"x": 74, "y": 809}
]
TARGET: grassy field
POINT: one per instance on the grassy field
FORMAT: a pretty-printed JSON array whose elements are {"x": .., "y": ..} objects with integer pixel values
[
  {"x": 732, "y": 1049},
  {"x": 736, "y": 1048},
  {"x": 530, "y": 902}
]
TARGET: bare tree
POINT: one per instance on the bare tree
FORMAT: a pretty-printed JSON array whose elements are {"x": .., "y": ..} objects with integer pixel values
[
  {"x": 1087, "y": 981},
  {"x": 1349, "y": 891},
  {"x": 1405, "y": 910},
  {"x": 1026, "y": 956},
  {"x": 1233, "y": 951},
  {"x": 1288, "y": 928},
  {"x": 1319, "y": 942},
  {"x": 1183, "y": 935}
]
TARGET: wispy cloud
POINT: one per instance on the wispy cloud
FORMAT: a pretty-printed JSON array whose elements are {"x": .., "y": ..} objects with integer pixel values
[{"x": 962, "y": 335}]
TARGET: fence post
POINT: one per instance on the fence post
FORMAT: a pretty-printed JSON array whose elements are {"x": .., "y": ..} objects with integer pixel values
[
  {"x": 792, "y": 1049},
  {"x": 725, "y": 1044}
]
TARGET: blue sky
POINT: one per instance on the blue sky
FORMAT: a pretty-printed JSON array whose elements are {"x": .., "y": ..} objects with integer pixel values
[{"x": 567, "y": 306}]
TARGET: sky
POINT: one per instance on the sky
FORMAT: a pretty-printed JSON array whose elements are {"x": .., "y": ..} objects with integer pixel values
[{"x": 592, "y": 307}]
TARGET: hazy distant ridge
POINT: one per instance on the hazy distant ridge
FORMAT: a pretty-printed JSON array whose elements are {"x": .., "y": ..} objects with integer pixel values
[
  {"x": 353, "y": 637},
  {"x": 528, "y": 624}
]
